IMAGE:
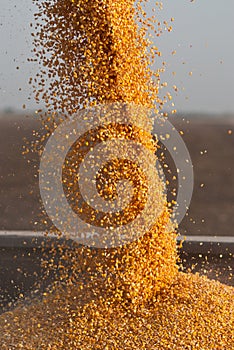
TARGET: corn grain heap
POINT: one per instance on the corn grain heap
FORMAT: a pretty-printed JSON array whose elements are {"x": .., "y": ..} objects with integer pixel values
[{"x": 133, "y": 297}]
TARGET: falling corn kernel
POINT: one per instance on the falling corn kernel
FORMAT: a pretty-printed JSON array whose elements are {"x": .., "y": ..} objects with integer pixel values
[{"x": 133, "y": 296}]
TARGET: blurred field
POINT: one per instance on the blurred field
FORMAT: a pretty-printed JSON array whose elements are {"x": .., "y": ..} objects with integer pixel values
[{"x": 212, "y": 207}]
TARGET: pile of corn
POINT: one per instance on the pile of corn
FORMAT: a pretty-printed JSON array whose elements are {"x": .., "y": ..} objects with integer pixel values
[
  {"x": 132, "y": 297},
  {"x": 195, "y": 313}
]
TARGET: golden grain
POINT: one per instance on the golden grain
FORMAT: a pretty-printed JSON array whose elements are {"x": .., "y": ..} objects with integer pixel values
[{"x": 133, "y": 297}]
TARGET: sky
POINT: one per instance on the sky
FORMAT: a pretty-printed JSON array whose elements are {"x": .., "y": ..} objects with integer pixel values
[{"x": 201, "y": 36}]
